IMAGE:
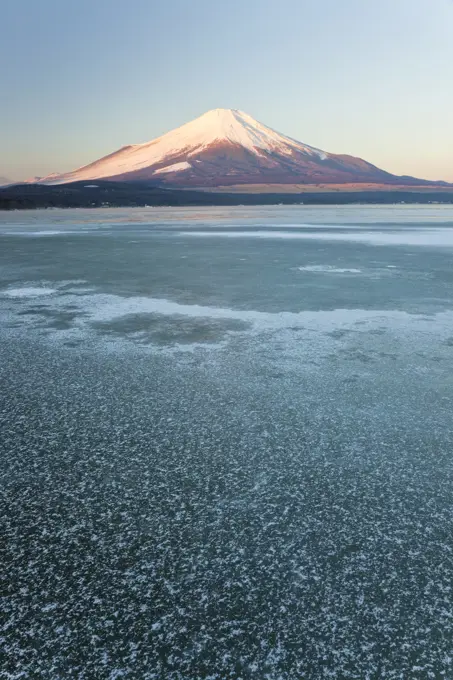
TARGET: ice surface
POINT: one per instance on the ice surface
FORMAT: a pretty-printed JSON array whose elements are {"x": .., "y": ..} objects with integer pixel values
[
  {"x": 328, "y": 269},
  {"x": 27, "y": 292},
  {"x": 273, "y": 503},
  {"x": 411, "y": 237},
  {"x": 108, "y": 307}
]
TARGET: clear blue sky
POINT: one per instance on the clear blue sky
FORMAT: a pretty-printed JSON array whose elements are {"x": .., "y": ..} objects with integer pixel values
[{"x": 373, "y": 78}]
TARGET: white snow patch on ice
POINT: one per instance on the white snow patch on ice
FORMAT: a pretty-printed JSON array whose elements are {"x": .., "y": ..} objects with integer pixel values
[
  {"x": 98, "y": 308},
  {"x": 329, "y": 269},
  {"x": 106, "y": 307},
  {"x": 45, "y": 232},
  {"x": 28, "y": 292},
  {"x": 428, "y": 237}
]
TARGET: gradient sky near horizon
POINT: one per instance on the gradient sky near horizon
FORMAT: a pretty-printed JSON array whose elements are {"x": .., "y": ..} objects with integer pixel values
[{"x": 373, "y": 78}]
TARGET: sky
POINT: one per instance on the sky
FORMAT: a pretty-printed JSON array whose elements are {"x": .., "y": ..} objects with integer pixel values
[{"x": 371, "y": 78}]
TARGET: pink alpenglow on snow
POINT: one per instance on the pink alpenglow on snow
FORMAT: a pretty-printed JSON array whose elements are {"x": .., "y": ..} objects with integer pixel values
[{"x": 227, "y": 147}]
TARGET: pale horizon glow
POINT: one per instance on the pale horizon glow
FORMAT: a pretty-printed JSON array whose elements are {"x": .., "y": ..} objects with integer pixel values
[{"x": 367, "y": 79}]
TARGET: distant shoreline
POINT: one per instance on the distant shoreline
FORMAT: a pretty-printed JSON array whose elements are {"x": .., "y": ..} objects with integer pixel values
[{"x": 122, "y": 195}]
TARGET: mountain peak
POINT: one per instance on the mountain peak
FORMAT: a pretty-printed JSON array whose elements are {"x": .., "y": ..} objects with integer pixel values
[
  {"x": 229, "y": 125},
  {"x": 222, "y": 120},
  {"x": 220, "y": 112}
]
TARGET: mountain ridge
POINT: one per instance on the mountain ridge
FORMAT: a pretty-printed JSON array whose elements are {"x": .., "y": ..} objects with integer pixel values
[{"x": 227, "y": 147}]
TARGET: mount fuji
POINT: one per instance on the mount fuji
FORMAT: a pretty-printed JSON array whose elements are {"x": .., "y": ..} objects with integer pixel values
[{"x": 228, "y": 148}]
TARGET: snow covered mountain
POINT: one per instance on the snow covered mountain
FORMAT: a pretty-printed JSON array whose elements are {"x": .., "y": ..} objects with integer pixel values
[
  {"x": 4, "y": 181},
  {"x": 226, "y": 147}
]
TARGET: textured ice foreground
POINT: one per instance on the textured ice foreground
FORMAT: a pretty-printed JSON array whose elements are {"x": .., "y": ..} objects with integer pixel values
[{"x": 226, "y": 458}]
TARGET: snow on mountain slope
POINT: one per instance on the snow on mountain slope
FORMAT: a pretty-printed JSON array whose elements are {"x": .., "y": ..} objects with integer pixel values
[
  {"x": 218, "y": 125},
  {"x": 225, "y": 147},
  {"x": 176, "y": 167}
]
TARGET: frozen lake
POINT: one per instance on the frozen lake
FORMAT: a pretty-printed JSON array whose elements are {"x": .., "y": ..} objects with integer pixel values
[{"x": 226, "y": 439}]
